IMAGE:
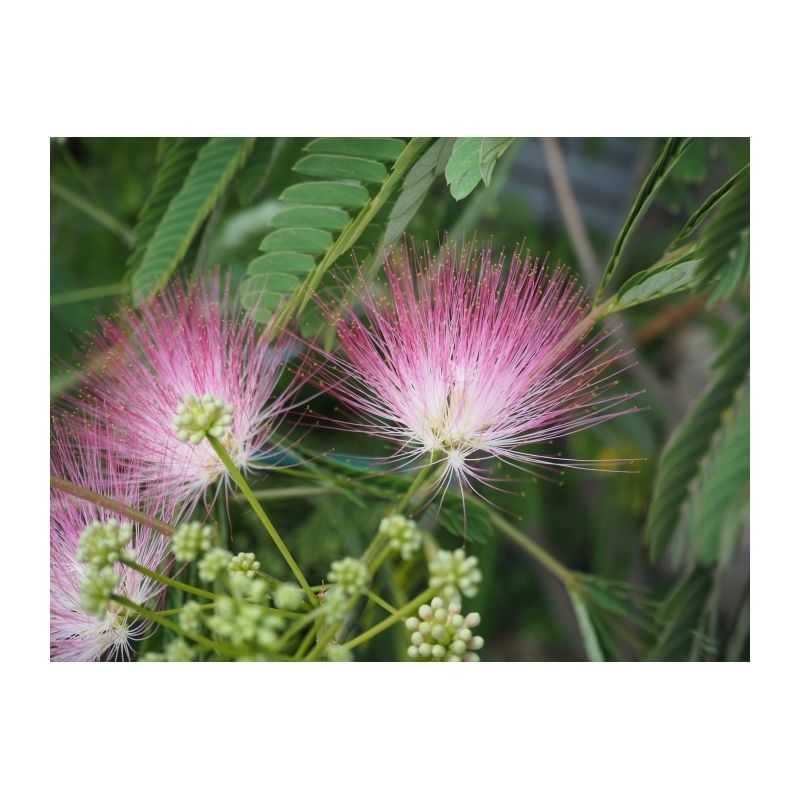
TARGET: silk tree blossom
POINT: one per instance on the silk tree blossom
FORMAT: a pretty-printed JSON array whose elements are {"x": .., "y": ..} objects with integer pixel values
[
  {"x": 464, "y": 361},
  {"x": 192, "y": 362},
  {"x": 77, "y": 455}
]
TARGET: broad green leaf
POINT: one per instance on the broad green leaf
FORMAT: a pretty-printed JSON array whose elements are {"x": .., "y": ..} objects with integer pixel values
[
  {"x": 323, "y": 217},
  {"x": 300, "y": 240},
  {"x": 378, "y": 149},
  {"x": 658, "y": 281},
  {"x": 263, "y": 293},
  {"x": 670, "y": 155},
  {"x": 211, "y": 173},
  {"x": 326, "y": 193},
  {"x": 176, "y": 158},
  {"x": 463, "y": 170},
  {"x": 341, "y": 167},
  {"x": 722, "y": 496},
  {"x": 281, "y": 261},
  {"x": 415, "y": 187},
  {"x": 681, "y": 457},
  {"x": 588, "y": 634},
  {"x": 491, "y": 150}
]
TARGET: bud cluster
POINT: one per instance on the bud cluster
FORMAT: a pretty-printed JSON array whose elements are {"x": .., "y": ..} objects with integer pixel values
[
  {"x": 455, "y": 574},
  {"x": 350, "y": 574},
  {"x": 403, "y": 534},
  {"x": 195, "y": 418},
  {"x": 102, "y": 544},
  {"x": 441, "y": 633},
  {"x": 192, "y": 539}
]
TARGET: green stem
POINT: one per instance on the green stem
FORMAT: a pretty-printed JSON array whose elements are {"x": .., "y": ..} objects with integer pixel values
[
  {"x": 97, "y": 214},
  {"x": 289, "y": 492},
  {"x": 379, "y": 601},
  {"x": 415, "y": 484},
  {"x": 112, "y": 505},
  {"x": 92, "y": 293},
  {"x": 157, "y": 576},
  {"x": 170, "y": 625},
  {"x": 309, "y": 638},
  {"x": 261, "y": 514},
  {"x": 539, "y": 553},
  {"x": 398, "y": 615}
]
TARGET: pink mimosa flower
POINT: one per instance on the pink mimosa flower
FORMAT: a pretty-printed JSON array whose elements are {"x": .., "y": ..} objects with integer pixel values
[
  {"x": 465, "y": 362},
  {"x": 76, "y": 635},
  {"x": 191, "y": 355}
]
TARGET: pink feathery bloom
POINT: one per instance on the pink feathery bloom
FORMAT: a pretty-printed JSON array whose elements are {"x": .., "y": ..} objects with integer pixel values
[
  {"x": 80, "y": 456},
  {"x": 191, "y": 360},
  {"x": 464, "y": 362}
]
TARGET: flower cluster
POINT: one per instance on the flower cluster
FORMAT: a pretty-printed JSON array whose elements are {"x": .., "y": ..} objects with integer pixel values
[
  {"x": 193, "y": 340},
  {"x": 467, "y": 358},
  {"x": 441, "y": 632},
  {"x": 83, "y": 627}
]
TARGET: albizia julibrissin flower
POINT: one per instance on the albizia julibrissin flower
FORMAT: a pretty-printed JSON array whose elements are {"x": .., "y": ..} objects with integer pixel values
[
  {"x": 466, "y": 361},
  {"x": 76, "y": 635},
  {"x": 191, "y": 361}
]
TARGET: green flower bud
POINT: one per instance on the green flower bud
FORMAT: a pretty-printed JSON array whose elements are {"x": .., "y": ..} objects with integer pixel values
[
  {"x": 288, "y": 596},
  {"x": 338, "y": 653},
  {"x": 192, "y": 539},
  {"x": 96, "y": 589},
  {"x": 455, "y": 574},
  {"x": 403, "y": 534},
  {"x": 212, "y": 564},
  {"x": 245, "y": 563},
  {"x": 195, "y": 418},
  {"x": 102, "y": 544},
  {"x": 179, "y": 650},
  {"x": 350, "y": 574},
  {"x": 190, "y": 617}
]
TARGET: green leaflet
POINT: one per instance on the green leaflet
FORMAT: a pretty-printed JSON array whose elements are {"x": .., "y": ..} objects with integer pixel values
[
  {"x": 724, "y": 248},
  {"x": 679, "y": 616},
  {"x": 378, "y": 149},
  {"x": 590, "y": 642},
  {"x": 722, "y": 496},
  {"x": 473, "y": 159},
  {"x": 690, "y": 441},
  {"x": 415, "y": 187},
  {"x": 338, "y": 167},
  {"x": 669, "y": 157},
  {"x": 658, "y": 281},
  {"x": 211, "y": 173},
  {"x": 175, "y": 157}
]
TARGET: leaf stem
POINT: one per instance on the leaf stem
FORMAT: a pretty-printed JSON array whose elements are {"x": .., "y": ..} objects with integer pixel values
[
  {"x": 170, "y": 625},
  {"x": 551, "y": 564},
  {"x": 262, "y": 515},
  {"x": 400, "y": 614},
  {"x": 112, "y": 505},
  {"x": 167, "y": 581}
]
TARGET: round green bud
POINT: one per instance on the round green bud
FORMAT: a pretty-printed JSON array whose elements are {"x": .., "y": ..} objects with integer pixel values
[
  {"x": 192, "y": 539},
  {"x": 245, "y": 563},
  {"x": 350, "y": 574},
  {"x": 194, "y": 419},
  {"x": 213, "y": 563},
  {"x": 96, "y": 589},
  {"x": 103, "y": 544},
  {"x": 288, "y": 596}
]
